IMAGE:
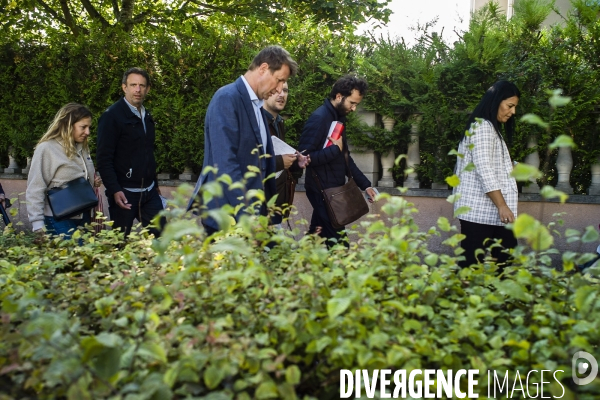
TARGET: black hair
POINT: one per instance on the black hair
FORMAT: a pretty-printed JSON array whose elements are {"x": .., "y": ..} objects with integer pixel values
[
  {"x": 346, "y": 84},
  {"x": 138, "y": 71},
  {"x": 490, "y": 103}
]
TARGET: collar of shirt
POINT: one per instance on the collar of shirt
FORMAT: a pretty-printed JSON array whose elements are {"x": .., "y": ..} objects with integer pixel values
[
  {"x": 271, "y": 117},
  {"x": 257, "y": 104},
  {"x": 134, "y": 110},
  {"x": 141, "y": 115},
  {"x": 253, "y": 97},
  {"x": 273, "y": 120}
]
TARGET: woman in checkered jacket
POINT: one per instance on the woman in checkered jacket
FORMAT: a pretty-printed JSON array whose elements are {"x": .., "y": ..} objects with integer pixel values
[{"x": 486, "y": 186}]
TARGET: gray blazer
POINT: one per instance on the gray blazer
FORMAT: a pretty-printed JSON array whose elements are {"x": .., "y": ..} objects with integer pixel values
[{"x": 232, "y": 143}]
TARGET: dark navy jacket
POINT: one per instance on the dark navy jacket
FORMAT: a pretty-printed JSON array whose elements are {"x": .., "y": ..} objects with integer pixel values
[
  {"x": 125, "y": 153},
  {"x": 329, "y": 163}
]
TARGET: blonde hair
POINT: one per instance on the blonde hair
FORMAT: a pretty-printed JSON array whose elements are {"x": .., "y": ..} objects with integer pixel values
[{"x": 61, "y": 127}]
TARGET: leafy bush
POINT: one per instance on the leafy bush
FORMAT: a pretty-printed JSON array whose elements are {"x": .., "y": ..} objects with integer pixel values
[
  {"x": 239, "y": 317},
  {"x": 444, "y": 83}
]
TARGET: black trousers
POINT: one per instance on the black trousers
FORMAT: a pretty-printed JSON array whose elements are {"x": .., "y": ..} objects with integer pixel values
[
  {"x": 144, "y": 207},
  {"x": 476, "y": 234}
]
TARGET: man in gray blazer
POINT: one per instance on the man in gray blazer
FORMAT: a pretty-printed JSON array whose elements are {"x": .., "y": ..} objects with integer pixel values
[{"x": 236, "y": 134}]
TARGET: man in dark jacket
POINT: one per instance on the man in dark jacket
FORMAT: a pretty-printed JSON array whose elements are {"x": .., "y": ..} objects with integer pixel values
[
  {"x": 286, "y": 163},
  {"x": 125, "y": 155},
  {"x": 329, "y": 163}
]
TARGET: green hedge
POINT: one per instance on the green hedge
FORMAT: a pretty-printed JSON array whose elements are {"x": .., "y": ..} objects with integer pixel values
[
  {"x": 187, "y": 317},
  {"x": 39, "y": 77},
  {"x": 441, "y": 82}
]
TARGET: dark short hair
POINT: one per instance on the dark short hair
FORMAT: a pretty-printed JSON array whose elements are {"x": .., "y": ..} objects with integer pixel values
[
  {"x": 346, "y": 84},
  {"x": 276, "y": 57},
  {"x": 490, "y": 103},
  {"x": 138, "y": 71}
]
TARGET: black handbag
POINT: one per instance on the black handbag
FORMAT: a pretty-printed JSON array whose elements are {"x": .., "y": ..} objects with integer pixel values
[
  {"x": 346, "y": 203},
  {"x": 73, "y": 198}
]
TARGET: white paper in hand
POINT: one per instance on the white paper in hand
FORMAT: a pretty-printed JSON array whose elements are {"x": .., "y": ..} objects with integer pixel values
[{"x": 280, "y": 147}]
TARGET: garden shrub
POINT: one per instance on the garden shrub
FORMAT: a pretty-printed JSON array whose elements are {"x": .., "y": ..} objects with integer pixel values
[
  {"x": 443, "y": 83},
  {"x": 239, "y": 317}
]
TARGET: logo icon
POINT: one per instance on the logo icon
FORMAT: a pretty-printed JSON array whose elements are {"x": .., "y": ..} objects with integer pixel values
[{"x": 581, "y": 367}]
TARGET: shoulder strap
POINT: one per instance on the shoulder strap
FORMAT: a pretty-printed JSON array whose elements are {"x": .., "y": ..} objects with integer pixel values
[{"x": 348, "y": 172}]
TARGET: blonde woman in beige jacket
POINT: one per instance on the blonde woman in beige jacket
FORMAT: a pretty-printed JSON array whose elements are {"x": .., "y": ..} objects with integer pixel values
[{"x": 60, "y": 156}]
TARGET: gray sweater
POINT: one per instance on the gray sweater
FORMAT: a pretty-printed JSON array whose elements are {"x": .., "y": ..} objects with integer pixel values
[{"x": 50, "y": 167}]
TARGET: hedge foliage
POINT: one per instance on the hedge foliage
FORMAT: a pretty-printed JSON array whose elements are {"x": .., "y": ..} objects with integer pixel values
[
  {"x": 38, "y": 77},
  {"x": 443, "y": 83},
  {"x": 188, "y": 60},
  {"x": 241, "y": 318}
]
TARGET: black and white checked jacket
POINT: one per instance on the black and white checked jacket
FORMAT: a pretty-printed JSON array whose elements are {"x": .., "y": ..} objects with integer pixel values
[{"x": 492, "y": 171}]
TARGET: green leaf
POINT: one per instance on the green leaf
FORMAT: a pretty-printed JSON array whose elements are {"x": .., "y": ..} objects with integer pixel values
[
  {"x": 153, "y": 351},
  {"x": 524, "y": 172},
  {"x": 399, "y": 158},
  {"x": 536, "y": 234},
  {"x": 535, "y": 120},
  {"x": 562, "y": 141},
  {"x": 266, "y": 390},
  {"x": 411, "y": 325},
  {"x": 513, "y": 290},
  {"x": 461, "y": 210},
  {"x": 469, "y": 167},
  {"x": 556, "y": 100},
  {"x": 293, "y": 375},
  {"x": 590, "y": 236},
  {"x": 107, "y": 363},
  {"x": 337, "y": 306},
  {"x": 444, "y": 224},
  {"x": 431, "y": 259},
  {"x": 213, "y": 376},
  {"x": 455, "y": 152},
  {"x": 548, "y": 192},
  {"x": 453, "y": 180},
  {"x": 453, "y": 198},
  {"x": 585, "y": 297}
]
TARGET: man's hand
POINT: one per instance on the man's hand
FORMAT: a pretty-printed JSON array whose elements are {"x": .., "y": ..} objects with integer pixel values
[
  {"x": 338, "y": 142},
  {"x": 303, "y": 161},
  {"x": 288, "y": 160},
  {"x": 371, "y": 192},
  {"x": 121, "y": 201},
  {"x": 2, "y": 200}
]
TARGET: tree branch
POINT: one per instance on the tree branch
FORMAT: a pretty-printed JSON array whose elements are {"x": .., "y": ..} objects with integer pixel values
[
  {"x": 116, "y": 12},
  {"x": 51, "y": 11},
  {"x": 68, "y": 17},
  {"x": 94, "y": 13},
  {"x": 126, "y": 10}
]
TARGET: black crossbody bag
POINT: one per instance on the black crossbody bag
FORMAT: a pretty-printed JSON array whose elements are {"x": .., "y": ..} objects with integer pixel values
[{"x": 75, "y": 197}]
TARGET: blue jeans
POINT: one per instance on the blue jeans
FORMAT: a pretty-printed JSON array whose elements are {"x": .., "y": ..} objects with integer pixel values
[{"x": 66, "y": 226}]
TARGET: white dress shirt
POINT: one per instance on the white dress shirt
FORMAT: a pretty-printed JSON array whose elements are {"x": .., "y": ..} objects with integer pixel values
[{"x": 257, "y": 105}]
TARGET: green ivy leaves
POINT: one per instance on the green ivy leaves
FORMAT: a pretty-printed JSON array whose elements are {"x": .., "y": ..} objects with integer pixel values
[{"x": 537, "y": 235}]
